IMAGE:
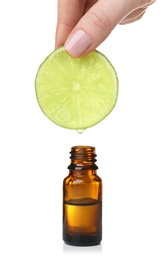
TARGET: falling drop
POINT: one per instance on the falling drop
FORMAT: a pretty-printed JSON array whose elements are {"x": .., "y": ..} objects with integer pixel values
[{"x": 80, "y": 131}]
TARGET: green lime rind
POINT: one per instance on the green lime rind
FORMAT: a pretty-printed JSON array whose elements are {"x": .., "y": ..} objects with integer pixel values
[{"x": 76, "y": 93}]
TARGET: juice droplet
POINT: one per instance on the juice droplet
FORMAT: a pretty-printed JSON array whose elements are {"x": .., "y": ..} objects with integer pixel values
[{"x": 80, "y": 131}]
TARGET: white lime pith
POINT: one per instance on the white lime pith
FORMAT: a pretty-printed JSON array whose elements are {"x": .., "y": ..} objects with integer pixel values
[{"x": 76, "y": 93}]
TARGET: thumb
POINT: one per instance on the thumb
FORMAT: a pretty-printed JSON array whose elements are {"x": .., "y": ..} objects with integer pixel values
[{"x": 95, "y": 26}]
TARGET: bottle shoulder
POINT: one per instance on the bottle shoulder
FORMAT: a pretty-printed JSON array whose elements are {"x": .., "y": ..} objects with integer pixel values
[{"x": 77, "y": 179}]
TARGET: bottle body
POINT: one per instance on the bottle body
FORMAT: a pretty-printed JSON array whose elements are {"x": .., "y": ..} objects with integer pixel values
[{"x": 82, "y": 199}]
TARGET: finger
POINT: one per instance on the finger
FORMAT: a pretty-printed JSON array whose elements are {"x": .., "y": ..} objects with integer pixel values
[
  {"x": 137, "y": 14},
  {"x": 134, "y": 16},
  {"x": 69, "y": 13},
  {"x": 94, "y": 27}
]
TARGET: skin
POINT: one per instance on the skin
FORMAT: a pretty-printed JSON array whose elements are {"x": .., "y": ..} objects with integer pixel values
[{"x": 96, "y": 18}]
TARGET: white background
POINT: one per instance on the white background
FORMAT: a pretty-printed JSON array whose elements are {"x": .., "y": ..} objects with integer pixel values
[{"x": 130, "y": 142}]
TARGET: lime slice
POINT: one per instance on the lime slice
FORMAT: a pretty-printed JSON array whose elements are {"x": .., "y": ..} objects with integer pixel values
[{"x": 76, "y": 93}]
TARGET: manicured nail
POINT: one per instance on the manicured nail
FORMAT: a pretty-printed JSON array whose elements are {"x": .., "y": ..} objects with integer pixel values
[{"x": 77, "y": 43}]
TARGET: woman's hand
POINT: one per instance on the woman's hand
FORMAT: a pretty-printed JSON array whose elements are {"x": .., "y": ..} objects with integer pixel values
[{"x": 84, "y": 24}]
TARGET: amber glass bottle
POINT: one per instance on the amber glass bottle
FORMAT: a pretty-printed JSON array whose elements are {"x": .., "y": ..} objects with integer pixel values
[{"x": 82, "y": 199}]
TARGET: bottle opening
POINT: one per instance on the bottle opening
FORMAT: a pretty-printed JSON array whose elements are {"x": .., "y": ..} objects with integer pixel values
[{"x": 84, "y": 156}]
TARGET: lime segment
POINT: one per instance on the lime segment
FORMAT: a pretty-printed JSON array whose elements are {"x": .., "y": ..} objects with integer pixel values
[{"x": 76, "y": 93}]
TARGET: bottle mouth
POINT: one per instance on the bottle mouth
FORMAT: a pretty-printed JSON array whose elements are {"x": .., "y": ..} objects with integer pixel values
[
  {"x": 80, "y": 148},
  {"x": 84, "y": 156},
  {"x": 83, "y": 152}
]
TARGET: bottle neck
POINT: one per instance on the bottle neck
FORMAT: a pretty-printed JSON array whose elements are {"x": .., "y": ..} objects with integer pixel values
[{"x": 83, "y": 158}]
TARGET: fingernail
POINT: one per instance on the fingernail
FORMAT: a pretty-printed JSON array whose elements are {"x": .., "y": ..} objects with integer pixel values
[{"x": 77, "y": 43}]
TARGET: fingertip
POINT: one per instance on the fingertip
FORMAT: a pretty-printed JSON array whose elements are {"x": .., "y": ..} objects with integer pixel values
[{"x": 78, "y": 43}]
